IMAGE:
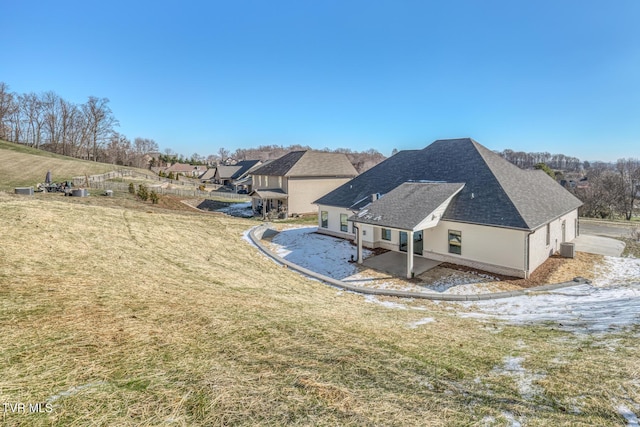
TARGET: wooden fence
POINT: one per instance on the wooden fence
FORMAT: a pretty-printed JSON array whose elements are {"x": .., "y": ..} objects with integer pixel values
[{"x": 178, "y": 188}]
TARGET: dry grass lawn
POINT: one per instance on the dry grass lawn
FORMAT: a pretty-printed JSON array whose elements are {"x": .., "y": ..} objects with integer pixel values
[
  {"x": 22, "y": 166},
  {"x": 122, "y": 313}
]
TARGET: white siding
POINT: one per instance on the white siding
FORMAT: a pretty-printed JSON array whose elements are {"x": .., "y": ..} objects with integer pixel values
[
  {"x": 494, "y": 249},
  {"x": 333, "y": 228},
  {"x": 539, "y": 250},
  {"x": 484, "y": 246}
]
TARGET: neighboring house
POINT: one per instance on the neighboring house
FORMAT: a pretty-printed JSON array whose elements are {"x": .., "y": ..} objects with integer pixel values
[
  {"x": 454, "y": 201},
  {"x": 236, "y": 175},
  {"x": 208, "y": 176},
  {"x": 193, "y": 171},
  {"x": 289, "y": 185},
  {"x": 224, "y": 174},
  {"x": 228, "y": 174}
]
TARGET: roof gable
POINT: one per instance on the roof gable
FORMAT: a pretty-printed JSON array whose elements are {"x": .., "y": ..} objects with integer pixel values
[{"x": 410, "y": 206}]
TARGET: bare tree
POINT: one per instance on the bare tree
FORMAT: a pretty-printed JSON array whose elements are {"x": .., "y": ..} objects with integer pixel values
[
  {"x": 7, "y": 107},
  {"x": 118, "y": 150},
  {"x": 100, "y": 124},
  {"x": 53, "y": 128},
  {"x": 629, "y": 172},
  {"x": 31, "y": 111},
  {"x": 223, "y": 153},
  {"x": 141, "y": 147}
]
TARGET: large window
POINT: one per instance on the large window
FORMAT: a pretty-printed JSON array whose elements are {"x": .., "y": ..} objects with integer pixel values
[
  {"x": 324, "y": 217},
  {"x": 344, "y": 225},
  {"x": 386, "y": 234},
  {"x": 455, "y": 242}
]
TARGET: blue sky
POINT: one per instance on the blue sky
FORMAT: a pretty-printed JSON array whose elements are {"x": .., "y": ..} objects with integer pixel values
[{"x": 556, "y": 76}]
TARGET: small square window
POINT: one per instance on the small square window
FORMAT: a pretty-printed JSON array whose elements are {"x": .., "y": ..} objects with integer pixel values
[
  {"x": 455, "y": 242},
  {"x": 386, "y": 234}
]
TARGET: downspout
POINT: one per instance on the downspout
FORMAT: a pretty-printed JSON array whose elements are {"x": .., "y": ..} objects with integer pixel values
[{"x": 357, "y": 233}]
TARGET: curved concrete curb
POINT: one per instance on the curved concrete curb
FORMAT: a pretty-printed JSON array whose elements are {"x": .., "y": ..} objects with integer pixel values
[{"x": 255, "y": 234}]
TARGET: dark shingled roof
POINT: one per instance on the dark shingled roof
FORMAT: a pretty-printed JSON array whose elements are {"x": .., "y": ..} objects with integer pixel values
[
  {"x": 309, "y": 164},
  {"x": 245, "y": 165},
  {"x": 496, "y": 192},
  {"x": 407, "y": 205}
]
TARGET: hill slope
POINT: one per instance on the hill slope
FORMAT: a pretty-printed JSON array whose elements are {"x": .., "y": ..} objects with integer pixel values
[
  {"x": 25, "y": 166},
  {"x": 116, "y": 315}
]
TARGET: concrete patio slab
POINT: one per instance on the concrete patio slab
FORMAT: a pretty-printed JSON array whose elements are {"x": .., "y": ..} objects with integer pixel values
[
  {"x": 598, "y": 245},
  {"x": 395, "y": 263}
]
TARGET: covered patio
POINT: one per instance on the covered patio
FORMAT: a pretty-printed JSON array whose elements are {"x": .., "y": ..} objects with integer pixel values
[
  {"x": 394, "y": 263},
  {"x": 409, "y": 209},
  {"x": 270, "y": 202}
]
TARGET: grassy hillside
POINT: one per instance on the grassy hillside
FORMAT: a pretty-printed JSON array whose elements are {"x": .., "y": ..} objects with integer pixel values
[
  {"x": 25, "y": 166},
  {"x": 119, "y": 313}
]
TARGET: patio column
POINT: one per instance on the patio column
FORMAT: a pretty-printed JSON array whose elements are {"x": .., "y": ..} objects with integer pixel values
[
  {"x": 409, "y": 254},
  {"x": 359, "y": 244}
]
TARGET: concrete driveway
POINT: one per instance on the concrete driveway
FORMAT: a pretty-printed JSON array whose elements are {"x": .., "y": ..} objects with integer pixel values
[
  {"x": 606, "y": 228},
  {"x": 598, "y": 245}
]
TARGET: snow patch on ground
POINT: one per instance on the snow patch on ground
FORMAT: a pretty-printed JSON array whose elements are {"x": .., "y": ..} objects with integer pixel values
[
  {"x": 73, "y": 390},
  {"x": 420, "y": 322},
  {"x": 512, "y": 367},
  {"x": 458, "y": 284},
  {"x": 323, "y": 254},
  {"x": 388, "y": 304},
  {"x": 610, "y": 303},
  {"x": 580, "y": 309},
  {"x": 243, "y": 210},
  {"x": 511, "y": 419},
  {"x": 615, "y": 271},
  {"x": 632, "y": 419}
]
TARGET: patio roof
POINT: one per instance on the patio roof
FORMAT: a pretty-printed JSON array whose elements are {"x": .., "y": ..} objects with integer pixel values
[
  {"x": 411, "y": 206},
  {"x": 269, "y": 194}
]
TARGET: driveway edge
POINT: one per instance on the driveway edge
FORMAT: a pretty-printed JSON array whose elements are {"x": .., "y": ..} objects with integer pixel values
[{"x": 255, "y": 234}]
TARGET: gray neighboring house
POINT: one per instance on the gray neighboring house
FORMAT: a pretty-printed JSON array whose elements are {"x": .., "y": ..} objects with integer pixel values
[
  {"x": 229, "y": 175},
  {"x": 289, "y": 185},
  {"x": 454, "y": 201}
]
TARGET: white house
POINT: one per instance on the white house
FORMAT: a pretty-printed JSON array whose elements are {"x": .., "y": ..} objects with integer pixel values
[{"x": 454, "y": 201}]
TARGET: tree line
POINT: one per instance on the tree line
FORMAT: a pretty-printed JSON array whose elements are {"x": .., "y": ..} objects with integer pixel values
[
  {"x": 526, "y": 160},
  {"x": 608, "y": 190},
  {"x": 86, "y": 131},
  {"x": 613, "y": 189}
]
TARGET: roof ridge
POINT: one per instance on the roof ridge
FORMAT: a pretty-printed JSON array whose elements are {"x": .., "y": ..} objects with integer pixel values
[{"x": 484, "y": 153}]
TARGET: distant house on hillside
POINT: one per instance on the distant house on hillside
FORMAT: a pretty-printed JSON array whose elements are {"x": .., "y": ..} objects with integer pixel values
[
  {"x": 289, "y": 185},
  {"x": 454, "y": 201}
]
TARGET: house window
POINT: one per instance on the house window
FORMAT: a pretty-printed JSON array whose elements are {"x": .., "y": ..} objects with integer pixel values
[
  {"x": 386, "y": 234},
  {"x": 344, "y": 226},
  {"x": 548, "y": 234},
  {"x": 455, "y": 242},
  {"x": 324, "y": 217}
]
